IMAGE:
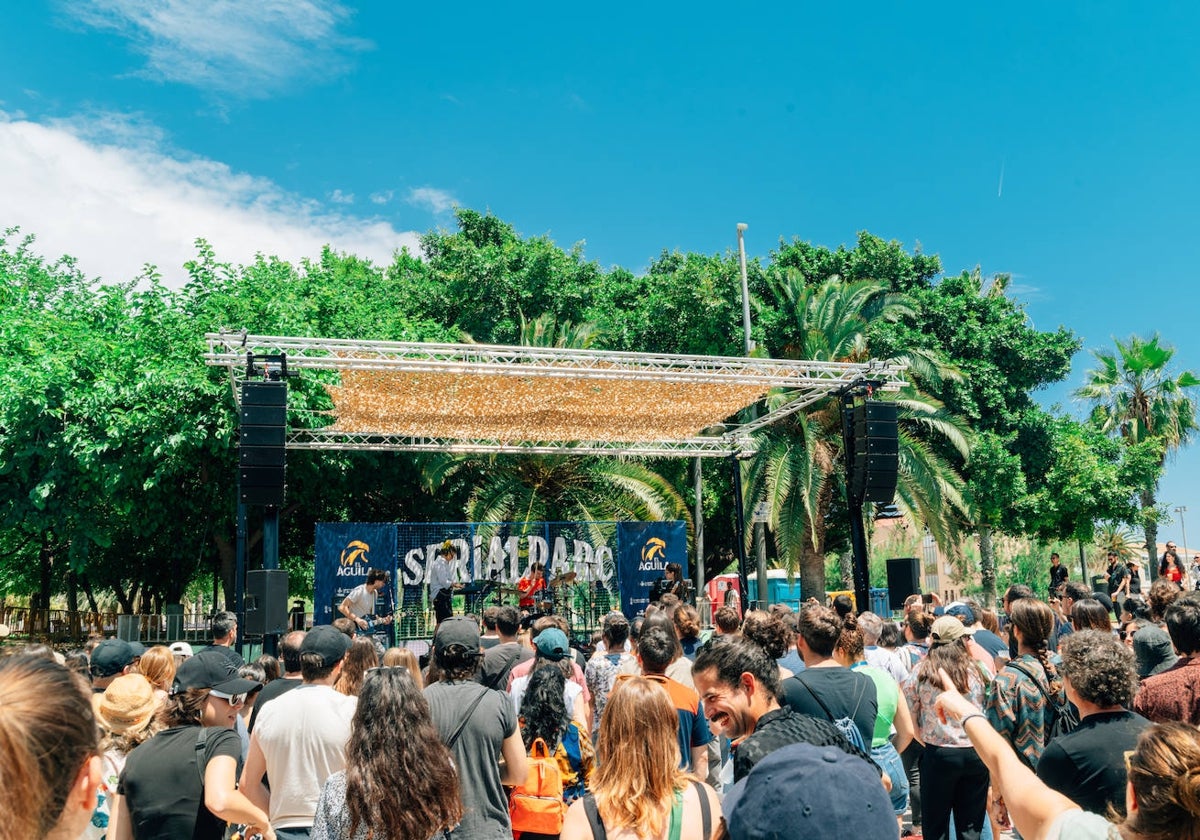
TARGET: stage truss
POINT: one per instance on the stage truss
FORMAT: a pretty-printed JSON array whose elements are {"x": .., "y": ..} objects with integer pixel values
[{"x": 478, "y": 398}]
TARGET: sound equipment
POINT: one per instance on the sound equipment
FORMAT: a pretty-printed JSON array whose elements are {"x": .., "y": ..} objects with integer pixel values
[
  {"x": 903, "y": 579},
  {"x": 266, "y": 602},
  {"x": 261, "y": 453},
  {"x": 876, "y": 456}
]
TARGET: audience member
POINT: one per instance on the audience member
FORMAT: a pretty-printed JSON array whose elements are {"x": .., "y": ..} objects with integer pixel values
[{"x": 1174, "y": 694}]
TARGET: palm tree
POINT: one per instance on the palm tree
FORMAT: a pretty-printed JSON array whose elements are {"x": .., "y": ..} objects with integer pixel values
[
  {"x": 1136, "y": 398},
  {"x": 798, "y": 466}
]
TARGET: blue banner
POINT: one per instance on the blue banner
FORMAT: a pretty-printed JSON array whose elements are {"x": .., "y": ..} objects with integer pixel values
[
  {"x": 345, "y": 551},
  {"x": 644, "y": 550}
]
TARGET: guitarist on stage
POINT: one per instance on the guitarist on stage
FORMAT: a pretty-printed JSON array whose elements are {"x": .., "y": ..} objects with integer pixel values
[{"x": 361, "y": 601}]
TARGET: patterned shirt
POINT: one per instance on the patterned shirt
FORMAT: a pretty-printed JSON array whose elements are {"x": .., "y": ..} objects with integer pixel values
[
  {"x": 1172, "y": 695},
  {"x": 1016, "y": 708},
  {"x": 781, "y": 727},
  {"x": 600, "y": 676},
  {"x": 921, "y": 696}
]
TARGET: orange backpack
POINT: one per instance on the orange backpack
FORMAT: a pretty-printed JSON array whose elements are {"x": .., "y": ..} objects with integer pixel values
[{"x": 537, "y": 805}]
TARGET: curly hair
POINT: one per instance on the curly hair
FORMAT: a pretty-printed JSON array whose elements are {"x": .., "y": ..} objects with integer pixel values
[
  {"x": 768, "y": 632},
  {"x": 1099, "y": 667},
  {"x": 1163, "y": 593},
  {"x": 820, "y": 627},
  {"x": 852, "y": 641},
  {"x": 544, "y": 712},
  {"x": 400, "y": 778},
  {"x": 361, "y": 657}
]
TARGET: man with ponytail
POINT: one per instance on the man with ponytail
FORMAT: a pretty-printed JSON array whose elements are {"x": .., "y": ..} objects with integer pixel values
[{"x": 1017, "y": 702}]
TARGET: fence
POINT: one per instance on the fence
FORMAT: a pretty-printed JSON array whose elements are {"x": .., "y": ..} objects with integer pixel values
[{"x": 64, "y": 627}]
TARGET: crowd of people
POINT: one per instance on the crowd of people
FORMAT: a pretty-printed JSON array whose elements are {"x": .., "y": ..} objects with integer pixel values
[{"x": 1047, "y": 717}]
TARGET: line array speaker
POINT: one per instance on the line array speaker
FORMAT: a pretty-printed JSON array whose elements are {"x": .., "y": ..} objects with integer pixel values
[
  {"x": 262, "y": 457},
  {"x": 876, "y": 452}
]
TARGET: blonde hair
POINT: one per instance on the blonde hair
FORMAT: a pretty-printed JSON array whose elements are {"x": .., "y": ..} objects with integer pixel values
[
  {"x": 158, "y": 666},
  {"x": 398, "y": 657},
  {"x": 638, "y": 758}
]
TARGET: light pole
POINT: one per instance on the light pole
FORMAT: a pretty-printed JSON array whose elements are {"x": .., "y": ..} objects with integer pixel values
[
  {"x": 1181, "y": 510},
  {"x": 741, "y": 229}
]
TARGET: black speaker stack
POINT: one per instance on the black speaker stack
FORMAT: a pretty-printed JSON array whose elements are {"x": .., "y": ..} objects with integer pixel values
[
  {"x": 875, "y": 461},
  {"x": 261, "y": 452},
  {"x": 266, "y": 602},
  {"x": 903, "y": 579}
]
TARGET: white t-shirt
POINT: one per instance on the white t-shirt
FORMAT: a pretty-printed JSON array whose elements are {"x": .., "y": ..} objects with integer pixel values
[
  {"x": 303, "y": 737},
  {"x": 362, "y": 601},
  {"x": 571, "y": 693},
  {"x": 1082, "y": 825}
]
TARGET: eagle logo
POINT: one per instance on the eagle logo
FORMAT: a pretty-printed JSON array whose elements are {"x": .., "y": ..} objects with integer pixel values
[
  {"x": 654, "y": 549},
  {"x": 354, "y": 552}
]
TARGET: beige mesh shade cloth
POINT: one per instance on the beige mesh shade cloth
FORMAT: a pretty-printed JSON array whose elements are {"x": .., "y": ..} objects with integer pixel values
[{"x": 505, "y": 408}]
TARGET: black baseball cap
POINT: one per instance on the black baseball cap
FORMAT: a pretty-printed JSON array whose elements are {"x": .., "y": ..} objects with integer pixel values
[
  {"x": 111, "y": 657},
  {"x": 215, "y": 672},
  {"x": 326, "y": 641},
  {"x": 460, "y": 630}
]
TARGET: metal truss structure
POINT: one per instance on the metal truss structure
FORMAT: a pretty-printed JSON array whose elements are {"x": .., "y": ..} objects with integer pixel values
[{"x": 677, "y": 383}]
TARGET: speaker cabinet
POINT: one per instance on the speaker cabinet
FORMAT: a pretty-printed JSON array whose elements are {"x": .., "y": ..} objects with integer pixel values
[
  {"x": 261, "y": 452},
  {"x": 903, "y": 579},
  {"x": 266, "y": 602},
  {"x": 876, "y": 456}
]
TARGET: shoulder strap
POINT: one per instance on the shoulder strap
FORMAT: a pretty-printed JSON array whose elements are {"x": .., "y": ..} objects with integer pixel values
[
  {"x": 675, "y": 826},
  {"x": 705, "y": 813},
  {"x": 820, "y": 703},
  {"x": 1045, "y": 693},
  {"x": 593, "y": 815},
  {"x": 201, "y": 743},
  {"x": 462, "y": 723},
  {"x": 506, "y": 670}
]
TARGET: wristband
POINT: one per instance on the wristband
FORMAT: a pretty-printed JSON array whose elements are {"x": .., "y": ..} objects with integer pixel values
[{"x": 971, "y": 716}]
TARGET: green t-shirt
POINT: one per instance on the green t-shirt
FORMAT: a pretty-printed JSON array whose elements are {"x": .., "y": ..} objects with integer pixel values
[{"x": 887, "y": 695}]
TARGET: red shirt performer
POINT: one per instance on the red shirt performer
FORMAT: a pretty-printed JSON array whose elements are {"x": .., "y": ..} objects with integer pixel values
[{"x": 531, "y": 583}]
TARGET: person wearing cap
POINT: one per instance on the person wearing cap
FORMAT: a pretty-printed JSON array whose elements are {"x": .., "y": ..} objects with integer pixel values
[
  {"x": 522, "y": 669},
  {"x": 603, "y": 668},
  {"x": 110, "y": 659},
  {"x": 181, "y": 651},
  {"x": 818, "y": 793},
  {"x": 552, "y": 651},
  {"x": 479, "y": 725},
  {"x": 183, "y": 781},
  {"x": 125, "y": 713},
  {"x": 954, "y": 782},
  {"x": 300, "y": 738},
  {"x": 966, "y": 615}
]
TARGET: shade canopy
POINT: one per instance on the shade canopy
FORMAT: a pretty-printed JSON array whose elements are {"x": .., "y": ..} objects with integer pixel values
[{"x": 477, "y": 398}]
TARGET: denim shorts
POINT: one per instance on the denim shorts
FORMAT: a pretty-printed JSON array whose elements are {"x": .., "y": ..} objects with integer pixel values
[{"x": 887, "y": 758}]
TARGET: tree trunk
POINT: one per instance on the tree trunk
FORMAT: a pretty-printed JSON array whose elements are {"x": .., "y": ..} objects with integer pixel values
[
  {"x": 87, "y": 590},
  {"x": 1150, "y": 520},
  {"x": 812, "y": 562},
  {"x": 987, "y": 565}
]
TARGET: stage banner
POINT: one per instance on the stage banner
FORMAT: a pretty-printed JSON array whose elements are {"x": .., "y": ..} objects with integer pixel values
[
  {"x": 643, "y": 551},
  {"x": 345, "y": 551}
]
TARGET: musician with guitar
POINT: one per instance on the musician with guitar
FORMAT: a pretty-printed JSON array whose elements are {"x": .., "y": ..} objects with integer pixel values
[{"x": 359, "y": 605}]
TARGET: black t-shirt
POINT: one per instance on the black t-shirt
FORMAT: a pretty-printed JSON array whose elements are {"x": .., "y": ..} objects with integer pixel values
[
  {"x": 1116, "y": 576},
  {"x": 162, "y": 787},
  {"x": 499, "y": 661},
  {"x": 1058, "y": 576},
  {"x": 273, "y": 689},
  {"x": 1087, "y": 765},
  {"x": 845, "y": 693}
]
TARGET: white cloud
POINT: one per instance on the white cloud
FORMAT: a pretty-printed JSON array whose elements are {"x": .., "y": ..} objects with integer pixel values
[
  {"x": 381, "y": 197},
  {"x": 250, "y": 49},
  {"x": 339, "y": 197},
  {"x": 118, "y": 201},
  {"x": 432, "y": 199}
]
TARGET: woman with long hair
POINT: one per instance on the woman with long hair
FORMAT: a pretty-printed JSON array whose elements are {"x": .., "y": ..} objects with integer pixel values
[
  {"x": 183, "y": 781},
  {"x": 45, "y": 793},
  {"x": 638, "y": 789},
  {"x": 1016, "y": 701},
  {"x": 544, "y": 715},
  {"x": 892, "y": 710},
  {"x": 399, "y": 782},
  {"x": 361, "y": 657},
  {"x": 398, "y": 657},
  {"x": 1162, "y": 793},
  {"x": 954, "y": 781},
  {"x": 158, "y": 666}
]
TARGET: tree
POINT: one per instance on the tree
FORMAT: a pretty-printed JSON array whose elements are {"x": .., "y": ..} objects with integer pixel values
[
  {"x": 1136, "y": 397},
  {"x": 799, "y": 463}
]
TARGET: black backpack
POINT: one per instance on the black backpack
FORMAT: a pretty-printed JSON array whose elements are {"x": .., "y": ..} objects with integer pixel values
[{"x": 1061, "y": 718}]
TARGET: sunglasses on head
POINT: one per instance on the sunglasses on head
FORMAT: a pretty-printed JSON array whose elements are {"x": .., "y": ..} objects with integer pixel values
[{"x": 232, "y": 699}]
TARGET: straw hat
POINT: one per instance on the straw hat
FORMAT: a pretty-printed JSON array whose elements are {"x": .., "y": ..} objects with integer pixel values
[{"x": 127, "y": 705}]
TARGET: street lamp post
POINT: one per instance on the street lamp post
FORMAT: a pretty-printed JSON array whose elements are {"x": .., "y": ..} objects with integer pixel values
[{"x": 1181, "y": 510}]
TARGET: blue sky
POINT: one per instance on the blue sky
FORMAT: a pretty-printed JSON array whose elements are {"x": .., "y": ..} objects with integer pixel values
[{"x": 1056, "y": 142}]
